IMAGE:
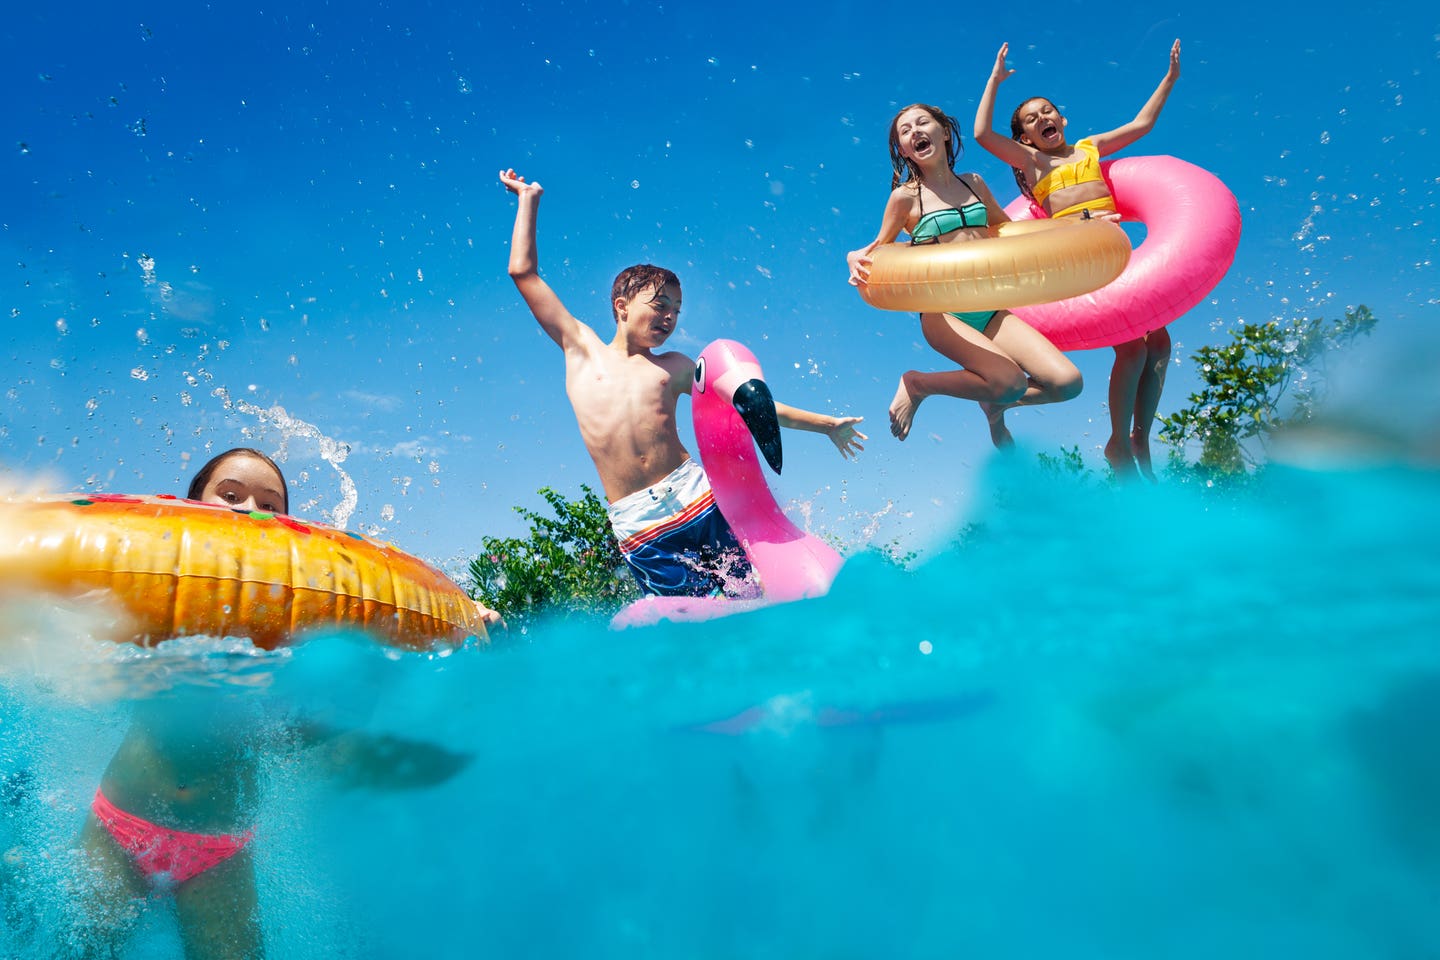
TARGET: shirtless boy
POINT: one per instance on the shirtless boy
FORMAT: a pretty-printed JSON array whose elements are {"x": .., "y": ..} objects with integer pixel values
[{"x": 624, "y": 394}]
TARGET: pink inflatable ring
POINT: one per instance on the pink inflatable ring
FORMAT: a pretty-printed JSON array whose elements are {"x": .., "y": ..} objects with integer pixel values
[{"x": 1192, "y": 225}]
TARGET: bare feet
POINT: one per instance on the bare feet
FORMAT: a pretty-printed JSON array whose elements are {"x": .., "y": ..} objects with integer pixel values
[
  {"x": 903, "y": 407},
  {"x": 1117, "y": 454},
  {"x": 995, "y": 416},
  {"x": 1140, "y": 450}
]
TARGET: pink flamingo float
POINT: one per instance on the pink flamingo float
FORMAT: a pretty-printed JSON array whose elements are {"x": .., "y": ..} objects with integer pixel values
[{"x": 733, "y": 412}]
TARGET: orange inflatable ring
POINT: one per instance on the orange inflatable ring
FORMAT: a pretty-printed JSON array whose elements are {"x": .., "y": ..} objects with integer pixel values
[
  {"x": 1017, "y": 265},
  {"x": 180, "y": 567}
]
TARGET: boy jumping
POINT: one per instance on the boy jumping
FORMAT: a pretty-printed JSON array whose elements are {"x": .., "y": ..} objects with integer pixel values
[{"x": 662, "y": 511}]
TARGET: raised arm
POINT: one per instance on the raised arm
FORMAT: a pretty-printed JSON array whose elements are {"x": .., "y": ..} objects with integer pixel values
[
  {"x": 840, "y": 430},
  {"x": 1144, "y": 122},
  {"x": 897, "y": 211},
  {"x": 1012, "y": 152},
  {"x": 554, "y": 319}
]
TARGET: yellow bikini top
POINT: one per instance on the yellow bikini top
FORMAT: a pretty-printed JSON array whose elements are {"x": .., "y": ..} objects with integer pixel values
[{"x": 1084, "y": 170}]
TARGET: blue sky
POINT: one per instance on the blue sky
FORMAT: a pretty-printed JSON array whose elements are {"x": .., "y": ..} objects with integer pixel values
[{"x": 282, "y": 227}]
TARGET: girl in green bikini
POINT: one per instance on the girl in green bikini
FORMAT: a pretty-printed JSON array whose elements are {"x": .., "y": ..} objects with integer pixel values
[{"x": 1003, "y": 361}]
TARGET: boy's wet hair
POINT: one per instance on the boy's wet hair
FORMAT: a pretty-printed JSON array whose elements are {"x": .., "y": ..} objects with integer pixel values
[
  {"x": 197, "y": 484},
  {"x": 954, "y": 144},
  {"x": 1016, "y": 132},
  {"x": 632, "y": 280}
]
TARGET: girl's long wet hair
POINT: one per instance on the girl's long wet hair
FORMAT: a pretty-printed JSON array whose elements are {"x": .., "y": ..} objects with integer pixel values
[
  {"x": 197, "y": 484},
  {"x": 904, "y": 171},
  {"x": 1016, "y": 132}
]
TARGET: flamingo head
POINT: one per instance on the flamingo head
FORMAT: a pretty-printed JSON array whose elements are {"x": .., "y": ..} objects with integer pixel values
[{"x": 726, "y": 370}]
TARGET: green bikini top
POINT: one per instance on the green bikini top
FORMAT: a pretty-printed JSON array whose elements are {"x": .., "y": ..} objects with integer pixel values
[{"x": 935, "y": 224}]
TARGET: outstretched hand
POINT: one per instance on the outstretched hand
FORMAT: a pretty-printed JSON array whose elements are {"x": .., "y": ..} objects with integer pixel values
[
  {"x": 1000, "y": 74},
  {"x": 846, "y": 438},
  {"x": 1174, "y": 72},
  {"x": 516, "y": 184}
]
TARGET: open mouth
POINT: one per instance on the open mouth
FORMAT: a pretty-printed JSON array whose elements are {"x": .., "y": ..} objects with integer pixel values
[
  {"x": 1049, "y": 130},
  {"x": 920, "y": 143}
]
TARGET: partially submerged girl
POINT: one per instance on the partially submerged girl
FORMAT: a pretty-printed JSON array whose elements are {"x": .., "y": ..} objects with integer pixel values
[{"x": 172, "y": 812}]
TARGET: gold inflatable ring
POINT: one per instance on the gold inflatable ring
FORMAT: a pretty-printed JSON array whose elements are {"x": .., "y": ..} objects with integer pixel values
[
  {"x": 178, "y": 567},
  {"x": 1018, "y": 264}
]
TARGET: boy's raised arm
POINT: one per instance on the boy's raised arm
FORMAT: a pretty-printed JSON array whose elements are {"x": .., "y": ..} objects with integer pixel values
[{"x": 554, "y": 319}]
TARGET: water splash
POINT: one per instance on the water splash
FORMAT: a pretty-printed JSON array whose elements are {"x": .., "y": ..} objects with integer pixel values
[{"x": 334, "y": 452}]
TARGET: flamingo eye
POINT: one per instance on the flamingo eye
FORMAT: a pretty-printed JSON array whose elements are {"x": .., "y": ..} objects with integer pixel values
[{"x": 700, "y": 374}]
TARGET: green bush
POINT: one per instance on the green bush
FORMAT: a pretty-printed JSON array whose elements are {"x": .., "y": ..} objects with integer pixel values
[
  {"x": 1246, "y": 380},
  {"x": 569, "y": 564}
]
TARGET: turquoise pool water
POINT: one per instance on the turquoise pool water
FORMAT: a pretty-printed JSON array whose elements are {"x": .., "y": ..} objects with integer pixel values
[{"x": 1104, "y": 723}]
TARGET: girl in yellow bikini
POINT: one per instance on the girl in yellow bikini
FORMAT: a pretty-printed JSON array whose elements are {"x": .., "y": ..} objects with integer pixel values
[
  {"x": 1064, "y": 180},
  {"x": 1004, "y": 362}
]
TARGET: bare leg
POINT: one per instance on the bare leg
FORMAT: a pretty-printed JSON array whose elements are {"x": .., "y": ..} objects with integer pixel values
[
  {"x": 995, "y": 418},
  {"x": 987, "y": 374},
  {"x": 1147, "y": 397},
  {"x": 110, "y": 895},
  {"x": 905, "y": 402},
  {"x": 1050, "y": 376},
  {"x": 1125, "y": 377},
  {"x": 217, "y": 912}
]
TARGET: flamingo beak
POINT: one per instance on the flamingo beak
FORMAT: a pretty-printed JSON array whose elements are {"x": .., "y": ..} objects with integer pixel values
[{"x": 756, "y": 407}]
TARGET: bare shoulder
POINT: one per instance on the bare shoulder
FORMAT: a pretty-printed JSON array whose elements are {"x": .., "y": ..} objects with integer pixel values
[
  {"x": 903, "y": 206},
  {"x": 977, "y": 183},
  {"x": 582, "y": 341},
  {"x": 903, "y": 196},
  {"x": 681, "y": 369}
]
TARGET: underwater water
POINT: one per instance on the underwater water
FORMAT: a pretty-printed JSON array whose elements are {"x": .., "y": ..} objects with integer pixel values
[{"x": 1110, "y": 723}]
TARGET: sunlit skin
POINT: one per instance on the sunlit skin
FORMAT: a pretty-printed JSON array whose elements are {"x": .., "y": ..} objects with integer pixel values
[
  {"x": 1138, "y": 374},
  {"x": 1007, "y": 364},
  {"x": 624, "y": 392},
  {"x": 246, "y": 483}
]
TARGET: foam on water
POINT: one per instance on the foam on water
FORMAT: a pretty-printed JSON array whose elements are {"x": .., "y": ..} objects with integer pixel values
[{"x": 1104, "y": 723}]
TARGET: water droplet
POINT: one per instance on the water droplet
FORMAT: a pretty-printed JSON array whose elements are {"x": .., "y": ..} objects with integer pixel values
[{"x": 634, "y": 184}]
